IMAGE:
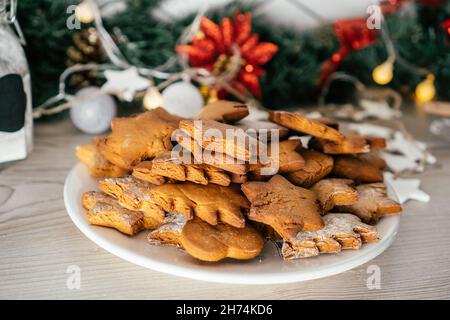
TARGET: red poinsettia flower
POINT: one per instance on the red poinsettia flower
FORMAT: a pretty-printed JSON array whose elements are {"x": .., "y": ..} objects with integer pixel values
[{"x": 212, "y": 49}]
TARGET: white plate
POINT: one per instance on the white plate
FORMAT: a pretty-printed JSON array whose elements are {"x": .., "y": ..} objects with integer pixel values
[{"x": 269, "y": 268}]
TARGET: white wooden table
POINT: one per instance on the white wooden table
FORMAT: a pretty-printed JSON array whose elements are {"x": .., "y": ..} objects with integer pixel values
[{"x": 38, "y": 241}]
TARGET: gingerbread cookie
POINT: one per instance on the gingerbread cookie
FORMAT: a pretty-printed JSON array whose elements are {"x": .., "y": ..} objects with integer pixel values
[
  {"x": 223, "y": 111},
  {"x": 221, "y": 161},
  {"x": 341, "y": 231},
  {"x": 374, "y": 160},
  {"x": 169, "y": 233},
  {"x": 238, "y": 178},
  {"x": 140, "y": 137},
  {"x": 170, "y": 166},
  {"x": 303, "y": 124},
  {"x": 283, "y": 206},
  {"x": 317, "y": 165},
  {"x": 373, "y": 203},
  {"x": 349, "y": 145},
  {"x": 97, "y": 164},
  {"x": 103, "y": 210},
  {"x": 222, "y": 138},
  {"x": 375, "y": 143},
  {"x": 134, "y": 194},
  {"x": 351, "y": 167},
  {"x": 144, "y": 171},
  {"x": 329, "y": 122},
  {"x": 210, "y": 203},
  {"x": 263, "y": 130},
  {"x": 288, "y": 159},
  {"x": 335, "y": 192},
  {"x": 213, "y": 243}
]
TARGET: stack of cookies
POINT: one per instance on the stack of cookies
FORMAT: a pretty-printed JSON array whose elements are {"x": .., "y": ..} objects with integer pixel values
[{"x": 219, "y": 186}]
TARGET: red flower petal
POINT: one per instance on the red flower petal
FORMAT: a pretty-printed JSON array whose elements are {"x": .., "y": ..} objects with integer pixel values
[
  {"x": 242, "y": 26},
  {"x": 227, "y": 33},
  {"x": 251, "y": 82},
  {"x": 262, "y": 53},
  {"x": 212, "y": 31},
  {"x": 197, "y": 57},
  {"x": 205, "y": 44},
  {"x": 249, "y": 44}
]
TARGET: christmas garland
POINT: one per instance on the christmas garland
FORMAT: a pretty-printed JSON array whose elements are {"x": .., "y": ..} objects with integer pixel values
[{"x": 293, "y": 75}]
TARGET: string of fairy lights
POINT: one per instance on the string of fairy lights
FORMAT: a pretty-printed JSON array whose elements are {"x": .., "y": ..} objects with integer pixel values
[
  {"x": 87, "y": 12},
  {"x": 384, "y": 73}
]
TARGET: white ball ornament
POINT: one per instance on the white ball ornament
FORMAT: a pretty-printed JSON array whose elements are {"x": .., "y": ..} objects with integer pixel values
[
  {"x": 183, "y": 99},
  {"x": 93, "y": 115}
]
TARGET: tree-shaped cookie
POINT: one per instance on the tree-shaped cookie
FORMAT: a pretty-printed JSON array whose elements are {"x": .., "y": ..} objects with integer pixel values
[
  {"x": 335, "y": 192},
  {"x": 212, "y": 203},
  {"x": 283, "y": 206},
  {"x": 373, "y": 203},
  {"x": 341, "y": 231},
  {"x": 213, "y": 243},
  {"x": 134, "y": 139},
  {"x": 317, "y": 165}
]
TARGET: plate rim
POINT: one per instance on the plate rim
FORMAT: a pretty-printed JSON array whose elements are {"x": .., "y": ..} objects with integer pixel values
[{"x": 218, "y": 277}]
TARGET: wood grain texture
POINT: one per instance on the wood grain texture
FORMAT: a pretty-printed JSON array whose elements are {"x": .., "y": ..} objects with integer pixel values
[{"x": 38, "y": 241}]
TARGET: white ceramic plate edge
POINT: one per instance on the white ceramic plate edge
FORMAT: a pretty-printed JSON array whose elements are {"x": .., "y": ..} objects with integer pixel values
[{"x": 234, "y": 278}]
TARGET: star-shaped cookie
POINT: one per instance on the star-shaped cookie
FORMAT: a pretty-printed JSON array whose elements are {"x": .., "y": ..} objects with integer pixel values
[
  {"x": 283, "y": 206},
  {"x": 335, "y": 192},
  {"x": 373, "y": 203},
  {"x": 341, "y": 231}
]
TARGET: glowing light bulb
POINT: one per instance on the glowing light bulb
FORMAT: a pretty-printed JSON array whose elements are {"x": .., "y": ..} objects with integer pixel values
[
  {"x": 425, "y": 91},
  {"x": 153, "y": 99},
  {"x": 383, "y": 74},
  {"x": 84, "y": 12},
  {"x": 213, "y": 96}
]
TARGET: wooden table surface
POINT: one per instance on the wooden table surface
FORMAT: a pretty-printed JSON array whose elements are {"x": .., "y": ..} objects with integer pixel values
[{"x": 38, "y": 241}]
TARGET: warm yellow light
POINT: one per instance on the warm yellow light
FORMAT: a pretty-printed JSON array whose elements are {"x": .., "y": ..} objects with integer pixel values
[
  {"x": 383, "y": 74},
  {"x": 213, "y": 96},
  {"x": 84, "y": 12},
  {"x": 425, "y": 91},
  {"x": 153, "y": 99}
]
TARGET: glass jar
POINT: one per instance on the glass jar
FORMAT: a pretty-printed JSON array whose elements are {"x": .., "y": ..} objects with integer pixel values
[{"x": 16, "y": 122}]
